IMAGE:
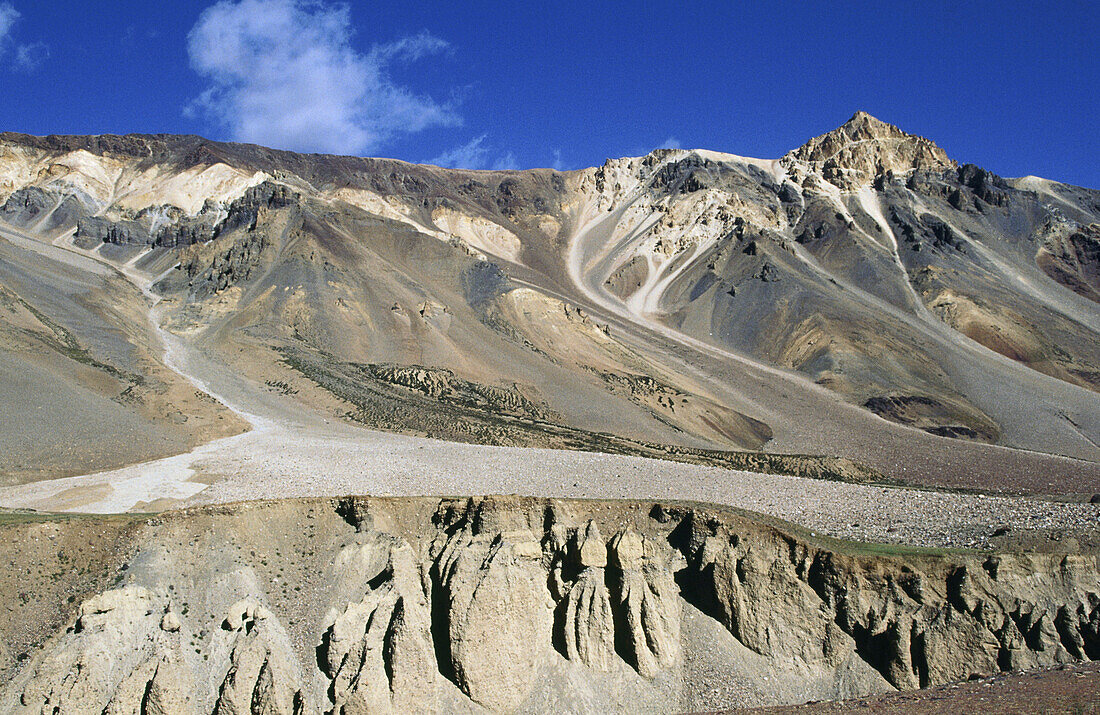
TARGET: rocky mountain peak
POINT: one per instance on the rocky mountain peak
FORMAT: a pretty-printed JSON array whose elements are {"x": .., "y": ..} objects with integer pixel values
[{"x": 862, "y": 148}]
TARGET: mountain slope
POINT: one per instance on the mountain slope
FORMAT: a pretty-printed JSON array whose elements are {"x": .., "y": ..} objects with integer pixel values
[
  {"x": 798, "y": 271},
  {"x": 861, "y": 297},
  {"x": 84, "y": 386}
]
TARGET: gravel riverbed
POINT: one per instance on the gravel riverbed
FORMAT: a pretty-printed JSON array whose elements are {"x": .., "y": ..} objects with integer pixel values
[{"x": 278, "y": 461}]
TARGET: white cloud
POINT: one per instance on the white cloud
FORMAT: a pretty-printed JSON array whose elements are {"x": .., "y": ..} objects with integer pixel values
[
  {"x": 410, "y": 48},
  {"x": 468, "y": 156},
  {"x": 505, "y": 163},
  {"x": 283, "y": 73},
  {"x": 28, "y": 57},
  {"x": 475, "y": 155},
  {"x": 670, "y": 143},
  {"x": 8, "y": 16}
]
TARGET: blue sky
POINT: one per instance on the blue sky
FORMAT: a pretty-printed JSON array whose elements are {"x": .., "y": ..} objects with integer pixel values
[{"x": 1010, "y": 86}]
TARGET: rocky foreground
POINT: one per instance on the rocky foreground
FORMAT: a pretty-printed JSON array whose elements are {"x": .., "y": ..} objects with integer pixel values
[{"x": 357, "y": 605}]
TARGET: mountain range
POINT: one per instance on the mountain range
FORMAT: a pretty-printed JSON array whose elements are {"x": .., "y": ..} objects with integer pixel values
[{"x": 863, "y": 307}]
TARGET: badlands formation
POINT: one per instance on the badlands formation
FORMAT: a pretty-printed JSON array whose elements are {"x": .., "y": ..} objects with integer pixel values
[{"x": 821, "y": 427}]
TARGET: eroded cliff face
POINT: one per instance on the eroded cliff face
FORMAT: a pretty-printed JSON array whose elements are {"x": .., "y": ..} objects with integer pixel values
[{"x": 365, "y": 605}]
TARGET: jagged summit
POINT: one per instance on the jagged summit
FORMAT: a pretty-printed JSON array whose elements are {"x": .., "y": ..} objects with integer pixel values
[{"x": 863, "y": 148}]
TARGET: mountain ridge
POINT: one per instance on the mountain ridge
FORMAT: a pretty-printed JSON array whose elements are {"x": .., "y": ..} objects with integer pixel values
[
  {"x": 131, "y": 144},
  {"x": 682, "y": 291}
]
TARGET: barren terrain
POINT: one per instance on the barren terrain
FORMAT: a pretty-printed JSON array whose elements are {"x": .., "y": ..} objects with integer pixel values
[{"x": 862, "y": 340}]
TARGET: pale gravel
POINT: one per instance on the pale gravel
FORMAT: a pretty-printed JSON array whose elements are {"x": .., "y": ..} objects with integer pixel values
[
  {"x": 285, "y": 465},
  {"x": 302, "y": 460}
]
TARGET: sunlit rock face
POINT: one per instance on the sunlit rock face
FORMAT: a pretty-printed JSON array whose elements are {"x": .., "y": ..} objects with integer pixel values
[{"x": 362, "y": 605}]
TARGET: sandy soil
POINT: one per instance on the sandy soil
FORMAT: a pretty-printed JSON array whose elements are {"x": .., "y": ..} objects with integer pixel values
[{"x": 1069, "y": 689}]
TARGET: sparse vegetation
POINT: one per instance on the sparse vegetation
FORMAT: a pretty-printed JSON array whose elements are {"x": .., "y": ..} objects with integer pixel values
[{"x": 387, "y": 405}]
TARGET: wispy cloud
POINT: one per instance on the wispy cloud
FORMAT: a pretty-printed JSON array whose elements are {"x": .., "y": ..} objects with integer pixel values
[
  {"x": 670, "y": 143},
  {"x": 475, "y": 155},
  {"x": 27, "y": 56},
  {"x": 410, "y": 49},
  {"x": 30, "y": 56},
  {"x": 284, "y": 73},
  {"x": 507, "y": 162},
  {"x": 467, "y": 156},
  {"x": 8, "y": 16}
]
